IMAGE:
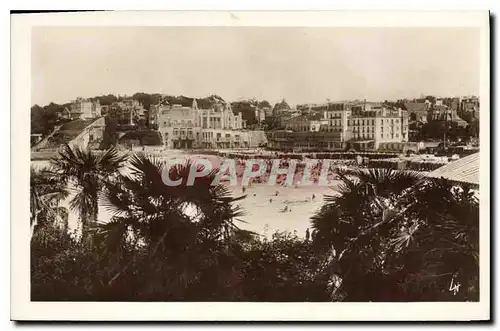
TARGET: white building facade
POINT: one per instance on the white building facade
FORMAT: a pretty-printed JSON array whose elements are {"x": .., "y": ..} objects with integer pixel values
[
  {"x": 192, "y": 127},
  {"x": 85, "y": 109}
]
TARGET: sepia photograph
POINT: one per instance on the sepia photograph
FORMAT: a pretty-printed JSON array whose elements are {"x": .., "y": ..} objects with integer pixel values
[{"x": 244, "y": 159}]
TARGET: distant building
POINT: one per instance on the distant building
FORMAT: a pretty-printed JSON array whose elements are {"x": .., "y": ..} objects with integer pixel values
[
  {"x": 469, "y": 109},
  {"x": 192, "y": 127},
  {"x": 443, "y": 113},
  {"x": 305, "y": 141},
  {"x": 338, "y": 115},
  {"x": 371, "y": 128},
  {"x": 153, "y": 118},
  {"x": 341, "y": 127},
  {"x": 417, "y": 112},
  {"x": 306, "y": 122},
  {"x": 85, "y": 109},
  {"x": 65, "y": 114},
  {"x": 260, "y": 114},
  {"x": 220, "y": 116},
  {"x": 452, "y": 103},
  {"x": 126, "y": 112},
  {"x": 283, "y": 117}
]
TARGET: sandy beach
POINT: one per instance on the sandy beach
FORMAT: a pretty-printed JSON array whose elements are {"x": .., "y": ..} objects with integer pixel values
[{"x": 261, "y": 215}]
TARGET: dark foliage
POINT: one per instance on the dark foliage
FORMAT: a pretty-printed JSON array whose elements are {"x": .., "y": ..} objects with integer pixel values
[{"x": 385, "y": 236}]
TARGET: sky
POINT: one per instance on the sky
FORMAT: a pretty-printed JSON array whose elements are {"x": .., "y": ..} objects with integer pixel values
[{"x": 300, "y": 65}]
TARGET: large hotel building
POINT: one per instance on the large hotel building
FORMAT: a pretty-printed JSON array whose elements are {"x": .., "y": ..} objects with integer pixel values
[
  {"x": 192, "y": 127},
  {"x": 345, "y": 126}
]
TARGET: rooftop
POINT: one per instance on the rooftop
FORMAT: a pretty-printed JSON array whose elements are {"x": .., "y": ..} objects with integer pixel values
[
  {"x": 415, "y": 107},
  {"x": 465, "y": 170}
]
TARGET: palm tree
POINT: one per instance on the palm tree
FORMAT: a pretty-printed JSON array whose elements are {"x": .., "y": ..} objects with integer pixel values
[
  {"x": 46, "y": 192},
  {"x": 175, "y": 237},
  {"x": 86, "y": 172},
  {"x": 352, "y": 232},
  {"x": 438, "y": 242},
  {"x": 389, "y": 240}
]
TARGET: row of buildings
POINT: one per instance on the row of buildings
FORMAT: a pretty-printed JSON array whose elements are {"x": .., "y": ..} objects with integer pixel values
[
  {"x": 366, "y": 125},
  {"x": 125, "y": 112},
  {"x": 357, "y": 124},
  {"x": 341, "y": 126},
  {"x": 179, "y": 126},
  {"x": 81, "y": 109},
  {"x": 458, "y": 110}
]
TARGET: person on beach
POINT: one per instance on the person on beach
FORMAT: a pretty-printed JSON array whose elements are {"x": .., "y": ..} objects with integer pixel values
[
  {"x": 243, "y": 189},
  {"x": 276, "y": 194},
  {"x": 270, "y": 200},
  {"x": 313, "y": 196},
  {"x": 285, "y": 209}
]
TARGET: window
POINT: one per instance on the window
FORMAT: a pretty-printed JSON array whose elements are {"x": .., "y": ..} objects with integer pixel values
[{"x": 363, "y": 122}]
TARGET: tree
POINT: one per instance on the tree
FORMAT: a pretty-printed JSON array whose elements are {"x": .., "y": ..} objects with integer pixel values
[
  {"x": 394, "y": 237},
  {"x": 87, "y": 172},
  {"x": 280, "y": 106},
  {"x": 147, "y": 99},
  {"x": 264, "y": 104},
  {"x": 46, "y": 192},
  {"x": 179, "y": 238},
  {"x": 110, "y": 134},
  {"x": 437, "y": 245},
  {"x": 473, "y": 129},
  {"x": 272, "y": 123},
  {"x": 43, "y": 120},
  {"x": 247, "y": 111},
  {"x": 351, "y": 232},
  {"x": 284, "y": 268}
]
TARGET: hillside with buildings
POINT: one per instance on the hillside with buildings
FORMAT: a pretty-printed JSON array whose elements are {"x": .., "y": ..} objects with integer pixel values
[
  {"x": 182, "y": 122},
  {"x": 375, "y": 126}
]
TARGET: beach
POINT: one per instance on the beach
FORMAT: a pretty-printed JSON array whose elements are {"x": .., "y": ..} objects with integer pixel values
[{"x": 262, "y": 215}]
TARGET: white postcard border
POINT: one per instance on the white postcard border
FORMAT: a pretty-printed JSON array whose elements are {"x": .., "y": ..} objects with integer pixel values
[{"x": 23, "y": 309}]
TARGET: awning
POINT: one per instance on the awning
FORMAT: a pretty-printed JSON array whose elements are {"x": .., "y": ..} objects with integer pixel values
[{"x": 465, "y": 170}]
